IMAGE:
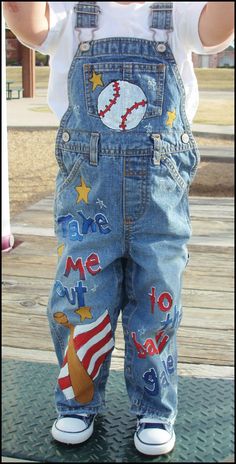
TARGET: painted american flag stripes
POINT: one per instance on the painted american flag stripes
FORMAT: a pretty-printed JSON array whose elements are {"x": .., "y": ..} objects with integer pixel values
[{"x": 92, "y": 343}]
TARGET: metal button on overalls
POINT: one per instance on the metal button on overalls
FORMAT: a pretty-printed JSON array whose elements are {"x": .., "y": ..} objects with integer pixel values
[
  {"x": 65, "y": 136},
  {"x": 161, "y": 47},
  {"x": 84, "y": 46},
  {"x": 185, "y": 138}
]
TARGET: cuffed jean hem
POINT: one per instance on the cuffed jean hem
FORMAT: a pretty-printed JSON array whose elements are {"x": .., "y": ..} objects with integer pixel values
[
  {"x": 80, "y": 410},
  {"x": 145, "y": 412}
]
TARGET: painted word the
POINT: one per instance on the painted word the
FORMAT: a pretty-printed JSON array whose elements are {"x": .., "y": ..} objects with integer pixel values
[
  {"x": 150, "y": 347},
  {"x": 90, "y": 263},
  {"x": 72, "y": 229},
  {"x": 164, "y": 300},
  {"x": 172, "y": 322}
]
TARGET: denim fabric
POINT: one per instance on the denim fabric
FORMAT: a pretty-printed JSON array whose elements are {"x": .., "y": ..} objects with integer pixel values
[
  {"x": 127, "y": 158},
  {"x": 87, "y": 14}
]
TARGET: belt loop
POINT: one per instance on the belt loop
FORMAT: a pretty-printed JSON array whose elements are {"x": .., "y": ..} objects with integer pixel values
[
  {"x": 157, "y": 149},
  {"x": 94, "y": 149}
]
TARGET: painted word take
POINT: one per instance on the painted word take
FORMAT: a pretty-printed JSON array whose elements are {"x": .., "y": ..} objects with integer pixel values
[{"x": 74, "y": 231}]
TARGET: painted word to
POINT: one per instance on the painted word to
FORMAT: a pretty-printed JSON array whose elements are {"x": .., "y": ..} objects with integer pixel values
[
  {"x": 75, "y": 231},
  {"x": 172, "y": 322},
  {"x": 150, "y": 378},
  {"x": 75, "y": 295},
  {"x": 169, "y": 369},
  {"x": 164, "y": 300},
  {"x": 90, "y": 263},
  {"x": 150, "y": 348}
]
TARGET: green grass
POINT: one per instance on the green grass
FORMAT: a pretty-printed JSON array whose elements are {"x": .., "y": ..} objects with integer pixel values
[
  {"x": 208, "y": 78},
  {"x": 14, "y": 73},
  {"x": 214, "y": 111},
  {"x": 215, "y": 79},
  {"x": 41, "y": 109}
]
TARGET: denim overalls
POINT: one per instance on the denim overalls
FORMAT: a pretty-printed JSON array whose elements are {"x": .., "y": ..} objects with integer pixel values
[{"x": 127, "y": 157}]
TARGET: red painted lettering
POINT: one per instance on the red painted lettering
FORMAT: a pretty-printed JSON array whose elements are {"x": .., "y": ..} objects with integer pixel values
[
  {"x": 150, "y": 347},
  {"x": 153, "y": 299},
  {"x": 141, "y": 351},
  {"x": 77, "y": 266},
  {"x": 93, "y": 260},
  {"x": 163, "y": 342},
  {"x": 165, "y": 301}
]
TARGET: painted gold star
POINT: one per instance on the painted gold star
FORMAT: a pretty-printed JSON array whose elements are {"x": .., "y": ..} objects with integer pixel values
[
  {"x": 171, "y": 118},
  {"x": 96, "y": 80},
  {"x": 60, "y": 249},
  {"x": 84, "y": 313},
  {"x": 83, "y": 192}
]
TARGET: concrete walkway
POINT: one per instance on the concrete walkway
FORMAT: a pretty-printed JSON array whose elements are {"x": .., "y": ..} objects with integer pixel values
[{"x": 35, "y": 113}]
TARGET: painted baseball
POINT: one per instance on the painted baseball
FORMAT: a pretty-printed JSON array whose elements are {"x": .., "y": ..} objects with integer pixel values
[{"x": 122, "y": 105}]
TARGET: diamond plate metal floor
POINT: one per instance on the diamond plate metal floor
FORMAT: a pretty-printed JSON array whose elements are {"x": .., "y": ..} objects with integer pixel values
[{"x": 204, "y": 427}]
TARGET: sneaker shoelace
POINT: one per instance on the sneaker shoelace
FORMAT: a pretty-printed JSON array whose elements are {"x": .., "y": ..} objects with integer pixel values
[{"x": 149, "y": 422}]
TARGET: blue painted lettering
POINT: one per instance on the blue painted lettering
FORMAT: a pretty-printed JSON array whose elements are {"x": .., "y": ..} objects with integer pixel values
[
  {"x": 74, "y": 295},
  {"x": 172, "y": 322},
  {"x": 169, "y": 369},
  {"x": 70, "y": 226},
  {"x": 63, "y": 221},
  {"x": 150, "y": 377},
  {"x": 102, "y": 221},
  {"x": 88, "y": 223},
  {"x": 74, "y": 233}
]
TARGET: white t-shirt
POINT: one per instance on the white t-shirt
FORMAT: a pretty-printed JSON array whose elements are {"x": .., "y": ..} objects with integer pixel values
[{"x": 117, "y": 20}]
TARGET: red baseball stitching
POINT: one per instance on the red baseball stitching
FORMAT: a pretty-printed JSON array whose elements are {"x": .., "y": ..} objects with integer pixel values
[
  {"x": 129, "y": 111},
  {"x": 113, "y": 101}
]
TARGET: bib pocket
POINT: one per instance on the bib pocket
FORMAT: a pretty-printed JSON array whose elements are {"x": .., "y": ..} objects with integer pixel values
[{"x": 123, "y": 88}]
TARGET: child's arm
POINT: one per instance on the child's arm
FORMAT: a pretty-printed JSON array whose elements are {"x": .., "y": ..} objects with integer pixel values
[
  {"x": 216, "y": 23},
  {"x": 28, "y": 20}
]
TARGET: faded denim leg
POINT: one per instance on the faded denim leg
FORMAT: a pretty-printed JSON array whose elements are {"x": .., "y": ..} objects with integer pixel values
[
  {"x": 86, "y": 297},
  {"x": 154, "y": 271}
]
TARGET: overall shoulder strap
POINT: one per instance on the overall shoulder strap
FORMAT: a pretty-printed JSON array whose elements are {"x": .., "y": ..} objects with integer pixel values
[
  {"x": 162, "y": 16},
  {"x": 86, "y": 15}
]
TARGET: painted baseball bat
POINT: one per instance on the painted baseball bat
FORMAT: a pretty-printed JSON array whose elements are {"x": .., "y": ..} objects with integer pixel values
[{"x": 81, "y": 382}]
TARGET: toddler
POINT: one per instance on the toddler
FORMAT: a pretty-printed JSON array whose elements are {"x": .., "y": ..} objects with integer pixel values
[{"x": 123, "y": 87}]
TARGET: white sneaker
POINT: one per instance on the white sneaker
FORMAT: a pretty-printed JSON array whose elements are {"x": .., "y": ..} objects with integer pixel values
[
  {"x": 153, "y": 438},
  {"x": 73, "y": 429}
]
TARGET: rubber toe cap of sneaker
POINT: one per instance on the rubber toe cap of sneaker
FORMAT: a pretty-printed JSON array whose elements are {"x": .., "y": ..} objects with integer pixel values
[
  {"x": 71, "y": 430},
  {"x": 154, "y": 436},
  {"x": 70, "y": 425}
]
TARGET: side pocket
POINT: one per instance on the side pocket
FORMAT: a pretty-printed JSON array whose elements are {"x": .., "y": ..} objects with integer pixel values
[
  {"x": 69, "y": 164},
  {"x": 193, "y": 171},
  {"x": 182, "y": 166},
  {"x": 174, "y": 172}
]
